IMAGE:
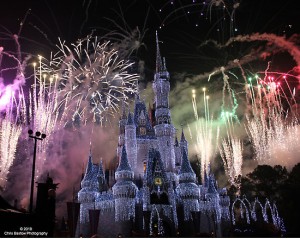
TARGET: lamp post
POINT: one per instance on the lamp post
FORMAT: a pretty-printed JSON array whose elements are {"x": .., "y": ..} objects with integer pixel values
[{"x": 38, "y": 136}]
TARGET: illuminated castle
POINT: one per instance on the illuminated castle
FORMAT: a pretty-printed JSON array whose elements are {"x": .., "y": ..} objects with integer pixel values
[{"x": 155, "y": 192}]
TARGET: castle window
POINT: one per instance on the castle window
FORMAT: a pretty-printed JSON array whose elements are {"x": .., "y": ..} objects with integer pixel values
[
  {"x": 142, "y": 121},
  {"x": 142, "y": 131},
  {"x": 144, "y": 167}
]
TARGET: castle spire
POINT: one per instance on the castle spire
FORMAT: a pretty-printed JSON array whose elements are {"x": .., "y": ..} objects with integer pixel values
[
  {"x": 129, "y": 119},
  {"x": 211, "y": 185},
  {"x": 100, "y": 169},
  {"x": 123, "y": 164},
  {"x": 88, "y": 173},
  {"x": 89, "y": 164},
  {"x": 186, "y": 173},
  {"x": 159, "y": 63},
  {"x": 182, "y": 136},
  {"x": 185, "y": 164}
]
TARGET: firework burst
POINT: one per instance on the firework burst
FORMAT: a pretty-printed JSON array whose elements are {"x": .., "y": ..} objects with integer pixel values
[
  {"x": 231, "y": 151},
  {"x": 92, "y": 80},
  {"x": 267, "y": 123},
  {"x": 12, "y": 108}
]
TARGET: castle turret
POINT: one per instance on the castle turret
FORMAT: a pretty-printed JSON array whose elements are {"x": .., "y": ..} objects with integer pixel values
[
  {"x": 164, "y": 130},
  {"x": 124, "y": 191},
  {"x": 89, "y": 180},
  {"x": 130, "y": 141},
  {"x": 187, "y": 188},
  {"x": 88, "y": 193},
  {"x": 213, "y": 199}
]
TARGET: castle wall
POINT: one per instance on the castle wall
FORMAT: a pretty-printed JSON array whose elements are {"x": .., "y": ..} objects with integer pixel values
[{"x": 106, "y": 225}]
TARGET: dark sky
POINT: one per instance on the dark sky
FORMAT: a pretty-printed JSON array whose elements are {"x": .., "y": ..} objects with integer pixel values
[{"x": 185, "y": 24}]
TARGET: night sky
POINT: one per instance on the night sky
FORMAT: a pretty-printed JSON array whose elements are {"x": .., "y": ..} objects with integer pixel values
[
  {"x": 182, "y": 25},
  {"x": 193, "y": 37}
]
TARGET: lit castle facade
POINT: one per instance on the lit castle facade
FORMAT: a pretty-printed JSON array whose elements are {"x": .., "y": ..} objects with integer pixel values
[{"x": 155, "y": 190}]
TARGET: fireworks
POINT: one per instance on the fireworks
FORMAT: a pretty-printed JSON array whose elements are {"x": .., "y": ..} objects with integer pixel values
[
  {"x": 13, "y": 111},
  {"x": 92, "y": 80},
  {"x": 10, "y": 132},
  {"x": 82, "y": 84},
  {"x": 204, "y": 140},
  {"x": 231, "y": 153},
  {"x": 267, "y": 123}
]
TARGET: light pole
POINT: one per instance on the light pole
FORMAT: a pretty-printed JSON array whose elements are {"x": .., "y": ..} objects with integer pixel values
[{"x": 36, "y": 137}]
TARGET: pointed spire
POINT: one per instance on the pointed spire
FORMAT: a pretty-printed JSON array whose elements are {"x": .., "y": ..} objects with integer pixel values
[
  {"x": 129, "y": 119},
  {"x": 185, "y": 163},
  {"x": 164, "y": 64},
  {"x": 182, "y": 136},
  {"x": 159, "y": 64},
  {"x": 186, "y": 173},
  {"x": 137, "y": 96},
  {"x": 91, "y": 147},
  {"x": 100, "y": 169},
  {"x": 205, "y": 179},
  {"x": 88, "y": 173},
  {"x": 89, "y": 164},
  {"x": 211, "y": 185},
  {"x": 142, "y": 115},
  {"x": 123, "y": 164}
]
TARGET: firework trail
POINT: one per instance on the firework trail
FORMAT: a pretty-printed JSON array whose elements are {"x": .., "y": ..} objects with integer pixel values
[
  {"x": 10, "y": 132},
  {"x": 42, "y": 110},
  {"x": 12, "y": 109},
  {"x": 267, "y": 125},
  {"x": 232, "y": 99},
  {"x": 231, "y": 152},
  {"x": 279, "y": 41},
  {"x": 225, "y": 10},
  {"x": 204, "y": 139},
  {"x": 92, "y": 80},
  {"x": 231, "y": 146}
]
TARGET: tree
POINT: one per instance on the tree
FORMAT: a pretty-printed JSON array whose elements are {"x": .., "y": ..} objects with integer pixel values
[
  {"x": 265, "y": 182},
  {"x": 290, "y": 206}
]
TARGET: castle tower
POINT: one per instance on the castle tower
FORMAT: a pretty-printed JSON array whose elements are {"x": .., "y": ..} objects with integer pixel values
[
  {"x": 213, "y": 200},
  {"x": 130, "y": 141},
  {"x": 187, "y": 188},
  {"x": 124, "y": 191},
  {"x": 164, "y": 130},
  {"x": 87, "y": 194},
  {"x": 144, "y": 133}
]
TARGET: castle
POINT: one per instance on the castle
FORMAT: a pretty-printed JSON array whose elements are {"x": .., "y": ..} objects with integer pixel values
[{"x": 155, "y": 192}]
